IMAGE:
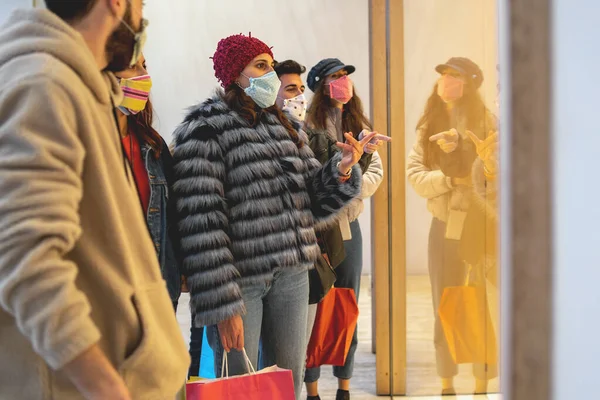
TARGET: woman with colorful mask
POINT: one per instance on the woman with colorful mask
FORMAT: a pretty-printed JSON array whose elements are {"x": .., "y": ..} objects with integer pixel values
[
  {"x": 250, "y": 194},
  {"x": 152, "y": 167},
  {"x": 337, "y": 110},
  {"x": 439, "y": 168}
]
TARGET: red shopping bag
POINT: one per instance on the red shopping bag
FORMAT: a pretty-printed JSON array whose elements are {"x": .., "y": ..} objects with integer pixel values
[
  {"x": 272, "y": 383},
  {"x": 334, "y": 327}
]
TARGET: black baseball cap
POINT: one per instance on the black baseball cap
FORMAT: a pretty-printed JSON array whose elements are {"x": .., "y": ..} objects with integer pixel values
[
  {"x": 324, "y": 68},
  {"x": 465, "y": 67}
]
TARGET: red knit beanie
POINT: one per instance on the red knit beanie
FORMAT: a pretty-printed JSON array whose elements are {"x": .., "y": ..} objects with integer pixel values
[{"x": 234, "y": 54}]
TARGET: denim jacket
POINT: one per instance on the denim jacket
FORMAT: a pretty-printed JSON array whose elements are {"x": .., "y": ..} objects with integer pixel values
[{"x": 160, "y": 216}]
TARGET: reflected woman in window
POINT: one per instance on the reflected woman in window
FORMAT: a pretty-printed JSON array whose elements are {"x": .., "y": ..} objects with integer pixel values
[
  {"x": 440, "y": 168},
  {"x": 337, "y": 109}
]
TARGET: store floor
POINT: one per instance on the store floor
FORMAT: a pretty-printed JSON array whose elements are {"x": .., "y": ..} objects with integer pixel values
[{"x": 421, "y": 375}]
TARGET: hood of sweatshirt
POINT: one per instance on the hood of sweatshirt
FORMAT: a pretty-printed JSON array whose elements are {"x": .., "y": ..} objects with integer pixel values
[{"x": 30, "y": 31}]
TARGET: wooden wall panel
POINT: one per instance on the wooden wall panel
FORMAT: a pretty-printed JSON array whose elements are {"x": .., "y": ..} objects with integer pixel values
[
  {"x": 397, "y": 177},
  {"x": 381, "y": 293},
  {"x": 389, "y": 226}
]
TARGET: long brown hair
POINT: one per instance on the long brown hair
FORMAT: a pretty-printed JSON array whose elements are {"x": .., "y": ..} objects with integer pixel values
[
  {"x": 141, "y": 125},
  {"x": 353, "y": 116},
  {"x": 435, "y": 119},
  {"x": 241, "y": 103}
]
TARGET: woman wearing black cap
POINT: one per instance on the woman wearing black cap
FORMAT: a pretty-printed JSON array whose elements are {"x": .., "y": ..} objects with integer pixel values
[
  {"x": 439, "y": 169},
  {"x": 336, "y": 109}
]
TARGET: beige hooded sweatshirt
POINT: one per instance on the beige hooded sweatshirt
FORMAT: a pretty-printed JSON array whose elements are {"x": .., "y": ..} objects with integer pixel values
[{"x": 77, "y": 265}]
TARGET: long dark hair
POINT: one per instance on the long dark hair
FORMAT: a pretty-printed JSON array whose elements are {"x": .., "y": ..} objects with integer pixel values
[
  {"x": 241, "y": 103},
  {"x": 353, "y": 116},
  {"x": 435, "y": 119},
  {"x": 141, "y": 125}
]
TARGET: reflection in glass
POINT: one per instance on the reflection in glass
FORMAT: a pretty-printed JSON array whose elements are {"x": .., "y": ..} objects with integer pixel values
[{"x": 453, "y": 165}]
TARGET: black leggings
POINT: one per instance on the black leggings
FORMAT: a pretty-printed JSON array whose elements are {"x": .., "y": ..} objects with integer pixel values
[{"x": 196, "y": 337}]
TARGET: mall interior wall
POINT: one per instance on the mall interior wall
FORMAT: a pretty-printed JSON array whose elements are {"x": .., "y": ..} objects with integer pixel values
[
  {"x": 7, "y": 6},
  {"x": 575, "y": 142},
  {"x": 182, "y": 37},
  {"x": 183, "y": 34}
]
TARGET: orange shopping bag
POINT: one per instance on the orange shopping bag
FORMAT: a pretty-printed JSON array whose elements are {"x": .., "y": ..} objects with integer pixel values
[
  {"x": 467, "y": 324},
  {"x": 337, "y": 315}
]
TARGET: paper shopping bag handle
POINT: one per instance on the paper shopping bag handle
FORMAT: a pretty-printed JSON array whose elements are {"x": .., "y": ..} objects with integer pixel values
[
  {"x": 249, "y": 366},
  {"x": 225, "y": 365}
]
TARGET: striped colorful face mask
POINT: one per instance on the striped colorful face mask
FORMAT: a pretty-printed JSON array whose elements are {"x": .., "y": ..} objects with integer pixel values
[{"x": 136, "y": 92}]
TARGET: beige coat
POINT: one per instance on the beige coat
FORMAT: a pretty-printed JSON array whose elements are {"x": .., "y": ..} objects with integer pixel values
[
  {"x": 77, "y": 266},
  {"x": 371, "y": 180},
  {"x": 432, "y": 184}
]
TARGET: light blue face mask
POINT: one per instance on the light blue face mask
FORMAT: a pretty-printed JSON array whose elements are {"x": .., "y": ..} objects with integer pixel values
[{"x": 263, "y": 90}]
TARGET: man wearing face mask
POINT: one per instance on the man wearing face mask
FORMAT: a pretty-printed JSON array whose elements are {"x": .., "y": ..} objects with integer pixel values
[
  {"x": 291, "y": 100},
  {"x": 84, "y": 312}
]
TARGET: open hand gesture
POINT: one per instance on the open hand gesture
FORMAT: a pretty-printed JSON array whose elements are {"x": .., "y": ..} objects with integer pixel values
[
  {"x": 375, "y": 143},
  {"x": 353, "y": 149}
]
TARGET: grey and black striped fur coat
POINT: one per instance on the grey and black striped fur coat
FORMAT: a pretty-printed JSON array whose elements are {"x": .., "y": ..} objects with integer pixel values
[{"x": 248, "y": 201}]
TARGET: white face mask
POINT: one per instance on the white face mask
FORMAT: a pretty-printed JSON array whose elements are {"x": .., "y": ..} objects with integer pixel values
[
  {"x": 296, "y": 107},
  {"x": 263, "y": 90}
]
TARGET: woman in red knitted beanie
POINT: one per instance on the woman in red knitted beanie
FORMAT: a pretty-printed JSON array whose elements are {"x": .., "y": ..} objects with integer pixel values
[{"x": 250, "y": 194}]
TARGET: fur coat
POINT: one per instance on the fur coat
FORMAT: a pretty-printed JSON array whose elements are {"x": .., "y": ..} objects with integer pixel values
[{"x": 248, "y": 201}]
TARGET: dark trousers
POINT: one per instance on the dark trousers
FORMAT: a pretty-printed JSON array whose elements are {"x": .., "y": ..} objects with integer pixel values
[{"x": 196, "y": 337}]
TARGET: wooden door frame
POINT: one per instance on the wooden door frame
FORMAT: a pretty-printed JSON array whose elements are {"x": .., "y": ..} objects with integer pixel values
[{"x": 389, "y": 203}]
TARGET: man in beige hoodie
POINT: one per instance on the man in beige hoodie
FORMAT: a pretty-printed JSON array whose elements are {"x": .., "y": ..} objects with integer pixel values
[{"x": 84, "y": 311}]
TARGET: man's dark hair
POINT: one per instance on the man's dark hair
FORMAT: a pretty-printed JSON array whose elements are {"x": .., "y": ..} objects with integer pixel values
[
  {"x": 289, "y": 67},
  {"x": 71, "y": 10}
]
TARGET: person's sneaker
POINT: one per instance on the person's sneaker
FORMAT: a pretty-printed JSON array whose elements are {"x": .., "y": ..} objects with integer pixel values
[
  {"x": 313, "y": 397},
  {"x": 342, "y": 395}
]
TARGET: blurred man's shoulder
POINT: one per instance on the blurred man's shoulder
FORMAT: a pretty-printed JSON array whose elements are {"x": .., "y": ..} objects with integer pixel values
[{"x": 34, "y": 68}]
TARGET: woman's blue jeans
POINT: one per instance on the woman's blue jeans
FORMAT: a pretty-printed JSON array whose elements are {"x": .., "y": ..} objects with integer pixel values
[{"x": 277, "y": 314}]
